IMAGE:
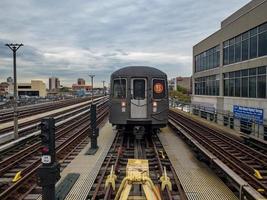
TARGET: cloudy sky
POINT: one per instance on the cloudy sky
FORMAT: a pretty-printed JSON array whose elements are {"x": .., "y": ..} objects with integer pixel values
[{"x": 71, "y": 38}]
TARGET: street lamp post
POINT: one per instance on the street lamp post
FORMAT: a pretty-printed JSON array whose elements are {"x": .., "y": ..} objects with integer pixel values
[
  {"x": 14, "y": 48},
  {"x": 104, "y": 87},
  {"x": 92, "y": 83}
]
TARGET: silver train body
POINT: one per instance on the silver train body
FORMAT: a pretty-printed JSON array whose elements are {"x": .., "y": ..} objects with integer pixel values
[{"x": 139, "y": 98}]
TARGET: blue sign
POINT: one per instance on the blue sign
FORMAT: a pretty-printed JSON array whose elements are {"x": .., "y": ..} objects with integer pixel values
[{"x": 254, "y": 114}]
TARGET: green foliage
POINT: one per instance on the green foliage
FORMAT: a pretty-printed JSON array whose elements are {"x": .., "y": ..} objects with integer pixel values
[
  {"x": 64, "y": 89},
  {"x": 180, "y": 96},
  {"x": 181, "y": 89}
]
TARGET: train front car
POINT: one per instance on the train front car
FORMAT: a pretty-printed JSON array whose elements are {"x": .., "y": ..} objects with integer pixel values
[{"x": 139, "y": 99}]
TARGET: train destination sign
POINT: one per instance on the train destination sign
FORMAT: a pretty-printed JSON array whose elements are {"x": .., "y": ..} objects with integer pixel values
[
  {"x": 158, "y": 88},
  {"x": 248, "y": 113}
]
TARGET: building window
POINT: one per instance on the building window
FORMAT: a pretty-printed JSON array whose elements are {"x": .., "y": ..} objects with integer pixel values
[
  {"x": 208, "y": 85},
  {"x": 248, "y": 45},
  {"x": 246, "y": 83},
  {"x": 263, "y": 40},
  {"x": 208, "y": 59}
]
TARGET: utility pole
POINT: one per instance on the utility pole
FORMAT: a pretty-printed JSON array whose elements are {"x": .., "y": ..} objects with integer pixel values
[
  {"x": 92, "y": 83},
  {"x": 104, "y": 92},
  {"x": 14, "y": 48}
]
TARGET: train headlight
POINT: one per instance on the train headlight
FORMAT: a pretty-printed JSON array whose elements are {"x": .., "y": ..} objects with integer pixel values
[
  {"x": 155, "y": 105},
  {"x": 123, "y": 106}
]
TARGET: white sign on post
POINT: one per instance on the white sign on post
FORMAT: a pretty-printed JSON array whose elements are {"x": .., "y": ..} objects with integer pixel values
[{"x": 46, "y": 159}]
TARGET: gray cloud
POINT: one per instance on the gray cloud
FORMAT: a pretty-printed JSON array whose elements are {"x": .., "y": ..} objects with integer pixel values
[{"x": 70, "y": 39}]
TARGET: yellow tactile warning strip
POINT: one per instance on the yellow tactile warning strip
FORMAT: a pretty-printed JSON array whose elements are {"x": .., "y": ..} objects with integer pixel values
[
  {"x": 198, "y": 181},
  {"x": 88, "y": 165}
]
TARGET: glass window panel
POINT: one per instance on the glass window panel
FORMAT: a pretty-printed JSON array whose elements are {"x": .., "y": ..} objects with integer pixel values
[
  {"x": 263, "y": 27},
  {"x": 252, "y": 87},
  {"x": 226, "y": 56},
  {"x": 253, "y": 47},
  {"x": 252, "y": 71},
  {"x": 238, "y": 39},
  {"x": 245, "y": 35},
  {"x": 217, "y": 59},
  {"x": 261, "y": 90},
  {"x": 253, "y": 31},
  {"x": 226, "y": 75},
  {"x": 263, "y": 44},
  {"x": 226, "y": 87},
  {"x": 139, "y": 89},
  {"x": 232, "y": 41},
  {"x": 237, "y": 87},
  {"x": 231, "y": 87},
  {"x": 238, "y": 52},
  {"x": 231, "y": 74},
  {"x": 211, "y": 61},
  {"x": 119, "y": 88},
  {"x": 245, "y": 50},
  {"x": 262, "y": 70},
  {"x": 237, "y": 73},
  {"x": 244, "y": 89},
  {"x": 226, "y": 43},
  {"x": 231, "y": 54},
  {"x": 244, "y": 72},
  {"x": 217, "y": 87}
]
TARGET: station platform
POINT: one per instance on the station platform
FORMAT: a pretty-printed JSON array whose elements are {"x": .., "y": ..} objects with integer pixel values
[
  {"x": 213, "y": 125},
  {"x": 198, "y": 181},
  {"x": 87, "y": 166}
]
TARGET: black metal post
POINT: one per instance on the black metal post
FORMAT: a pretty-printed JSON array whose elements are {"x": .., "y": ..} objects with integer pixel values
[
  {"x": 49, "y": 172},
  {"x": 93, "y": 132},
  {"x": 14, "y": 48}
]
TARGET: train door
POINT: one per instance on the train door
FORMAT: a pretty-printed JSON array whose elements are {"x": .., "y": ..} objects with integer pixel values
[{"x": 138, "y": 98}]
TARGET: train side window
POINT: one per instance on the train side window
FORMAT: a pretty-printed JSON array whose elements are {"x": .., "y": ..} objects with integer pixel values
[
  {"x": 159, "y": 90},
  {"x": 139, "y": 89},
  {"x": 119, "y": 88}
]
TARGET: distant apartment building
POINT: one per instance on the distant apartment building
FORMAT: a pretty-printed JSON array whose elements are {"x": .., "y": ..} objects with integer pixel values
[
  {"x": 34, "y": 88},
  {"x": 230, "y": 71},
  {"x": 4, "y": 88},
  {"x": 81, "y": 85},
  {"x": 172, "y": 84},
  {"x": 184, "y": 82},
  {"x": 81, "y": 81},
  {"x": 54, "y": 83}
]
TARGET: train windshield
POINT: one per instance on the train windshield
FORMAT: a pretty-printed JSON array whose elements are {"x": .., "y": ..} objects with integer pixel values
[
  {"x": 159, "y": 90},
  {"x": 119, "y": 88},
  {"x": 139, "y": 89}
]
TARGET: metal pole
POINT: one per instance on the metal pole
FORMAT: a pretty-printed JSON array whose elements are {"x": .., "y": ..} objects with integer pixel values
[
  {"x": 103, "y": 87},
  {"x": 92, "y": 83},
  {"x": 14, "y": 48}
]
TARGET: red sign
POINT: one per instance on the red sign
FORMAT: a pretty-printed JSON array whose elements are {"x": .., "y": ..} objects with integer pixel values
[{"x": 158, "y": 88}]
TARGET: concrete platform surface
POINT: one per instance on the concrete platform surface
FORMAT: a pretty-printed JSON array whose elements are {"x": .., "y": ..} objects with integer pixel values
[
  {"x": 198, "y": 181},
  {"x": 88, "y": 165}
]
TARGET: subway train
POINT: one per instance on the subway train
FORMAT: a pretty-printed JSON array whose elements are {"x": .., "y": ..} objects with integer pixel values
[{"x": 139, "y": 99}]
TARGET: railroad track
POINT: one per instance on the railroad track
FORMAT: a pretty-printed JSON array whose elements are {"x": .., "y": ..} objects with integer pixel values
[
  {"x": 125, "y": 147},
  {"x": 6, "y": 116},
  {"x": 248, "y": 163},
  {"x": 69, "y": 139},
  {"x": 32, "y": 125}
]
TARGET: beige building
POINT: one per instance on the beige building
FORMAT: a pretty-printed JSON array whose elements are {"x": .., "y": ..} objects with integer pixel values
[
  {"x": 230, "y": 74},
  {"x": 35, "y": 88},
  {"x": 184, "y": 82}
]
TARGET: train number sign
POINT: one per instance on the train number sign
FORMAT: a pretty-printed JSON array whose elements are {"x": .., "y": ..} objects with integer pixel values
[{"x": 158, "y": 88}]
